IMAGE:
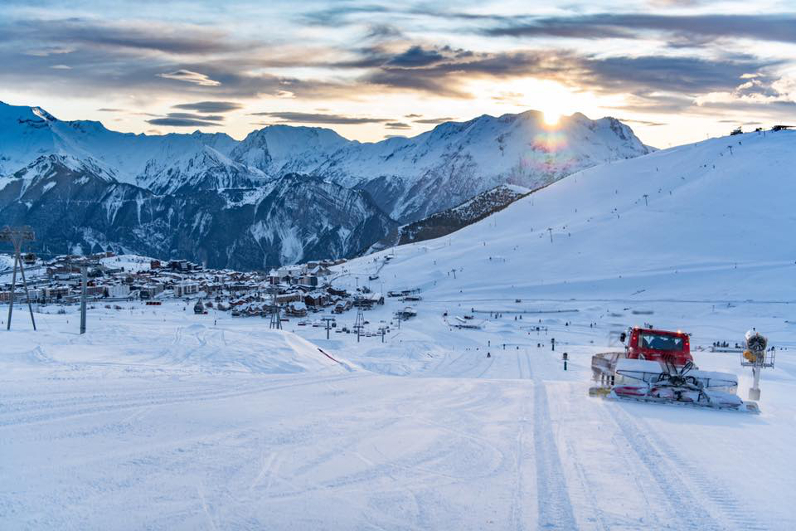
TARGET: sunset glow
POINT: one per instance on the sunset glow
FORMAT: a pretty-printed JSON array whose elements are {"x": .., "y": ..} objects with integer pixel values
[{"x": 673, "y": 71}]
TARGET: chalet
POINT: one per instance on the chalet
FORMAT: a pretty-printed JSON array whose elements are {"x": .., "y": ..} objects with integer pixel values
[
  {"x": 368, "y": 300},
  {"x": 336, "y": 292},
  {"x": 285, "y": 298},
  {"x": 343, "y": 306},
  {"x": 315, "y": 299},
  {"x": 296, "y": 309}
]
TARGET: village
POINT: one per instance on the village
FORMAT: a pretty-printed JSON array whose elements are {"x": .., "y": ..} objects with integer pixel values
[{"x": 292, "y": 291}]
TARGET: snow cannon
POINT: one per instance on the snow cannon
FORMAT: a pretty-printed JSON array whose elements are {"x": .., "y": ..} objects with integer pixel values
[
  {"x": 756, "y": 346},
  {"x": 757, "y": 356},
  {"x": 656, "y": 366}
]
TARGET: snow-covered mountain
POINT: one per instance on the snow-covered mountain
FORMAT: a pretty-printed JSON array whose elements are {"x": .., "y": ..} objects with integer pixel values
[
  {"x": 411, "y": 178},
  {"x": 74, "y": 207},
  {"x": 400, "y": 179}
]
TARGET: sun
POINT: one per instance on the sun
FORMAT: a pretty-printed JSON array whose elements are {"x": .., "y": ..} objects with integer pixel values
[{"x": 551, "y": 117}]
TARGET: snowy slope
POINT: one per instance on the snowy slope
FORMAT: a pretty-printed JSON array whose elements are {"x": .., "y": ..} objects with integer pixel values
[
  {"x": 187, "y": 343},
  {"x": 716, "y": 222},
  {"x": 709, "y": 252},
  {"x": 158, "y": 418}
]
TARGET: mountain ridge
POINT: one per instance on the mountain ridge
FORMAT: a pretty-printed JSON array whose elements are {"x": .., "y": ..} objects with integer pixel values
[{"x": 387, "y": 183}]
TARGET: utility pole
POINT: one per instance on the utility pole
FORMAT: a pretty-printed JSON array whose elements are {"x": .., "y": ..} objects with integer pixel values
[
  {"x": 645, "y": 200},
  {"x": 276, "y": 319},
  {"x": 17, "y": 236},
  {"x": 550, "y": 230},
  {"x": 359, "y": 323},
  {"x": 83, "y": 290},
  {"x": 328, "y": 321}
]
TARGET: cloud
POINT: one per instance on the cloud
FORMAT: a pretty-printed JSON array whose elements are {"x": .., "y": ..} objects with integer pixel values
[
  {"x": 73, "y": 32},
  {"x": 48, "y": 51},
  {"x": 397, "y": 125},
  {"x": 210, "y": 106},
  {"x": 184, "y": 119},
  {"x": 383, "y": 31},
  {"x": 396, "y": 48},
  {"x": 340, "y": 13},
  {"x": 320, "y": 118},
  {"x": 181, "y": 122},
  {"x": 61, "y": 67},
  {"x": 108, "y": 109},
  {"x": 417, "y": 55},
  {"x": 642, "y": 122},
  {"x": 685, "y": 75},
  {"x": 190, "y": 116},
  {"x": 693, "y": 28},
  {"x": 191, "y": 77},
  {"x": 447, "y": 72},
  {"x": 434, "y": 120}
]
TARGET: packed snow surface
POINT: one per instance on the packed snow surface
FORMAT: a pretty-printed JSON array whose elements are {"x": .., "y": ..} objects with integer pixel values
[{"x": 159, "y": 418}]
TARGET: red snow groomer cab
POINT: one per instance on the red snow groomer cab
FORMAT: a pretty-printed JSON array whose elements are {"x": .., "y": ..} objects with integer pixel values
[{"x": 657, "y": 366}]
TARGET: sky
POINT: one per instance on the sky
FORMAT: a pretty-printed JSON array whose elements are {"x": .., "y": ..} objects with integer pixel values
[{"x": 676, "y": 71}]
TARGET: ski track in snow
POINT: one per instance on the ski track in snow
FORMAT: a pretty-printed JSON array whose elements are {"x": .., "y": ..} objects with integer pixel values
[
  {"x": 101, "y": 404},
  {"x": 699, "y": 489},
  {"x": 555, "y": 507},
  {"x": 690, "y": 494}
]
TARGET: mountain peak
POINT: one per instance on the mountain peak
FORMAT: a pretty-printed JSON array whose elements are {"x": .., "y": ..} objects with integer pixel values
[{"x": 44, "y": 115}]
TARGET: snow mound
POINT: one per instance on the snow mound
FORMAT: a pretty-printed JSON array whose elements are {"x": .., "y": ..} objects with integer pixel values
[
  {"x": 248, "y": 350},
  {"x": 30, "y": 358},
  {"x": 162, "y": 338}
]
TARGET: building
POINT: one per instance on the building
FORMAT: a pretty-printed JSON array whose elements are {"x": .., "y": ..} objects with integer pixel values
[
  {"x": 150, "y": 291},
  {"x": 117, "y": 291},
  {"x": 184, "y": 289}
]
